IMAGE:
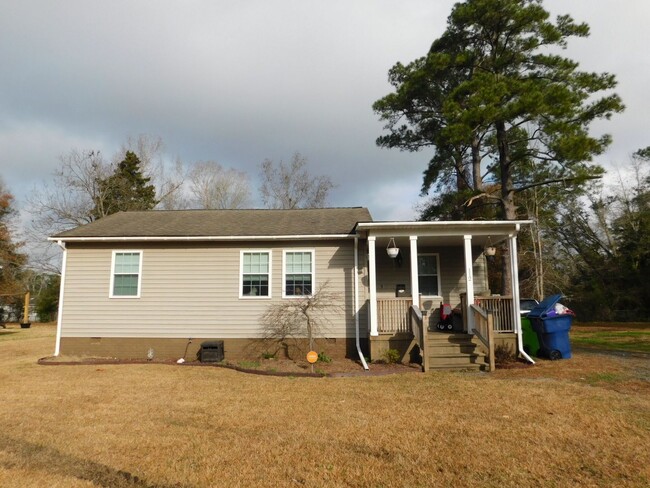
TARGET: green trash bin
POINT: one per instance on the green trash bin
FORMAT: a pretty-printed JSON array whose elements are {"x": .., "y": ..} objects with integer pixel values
[{"x": 530, "y": 339}]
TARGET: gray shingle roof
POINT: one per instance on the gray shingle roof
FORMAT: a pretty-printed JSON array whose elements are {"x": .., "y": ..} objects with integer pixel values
[{"x": 223, "y": 223}]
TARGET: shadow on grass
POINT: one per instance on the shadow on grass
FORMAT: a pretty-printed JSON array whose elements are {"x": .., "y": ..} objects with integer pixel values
[{"x": 42, "y": 458}]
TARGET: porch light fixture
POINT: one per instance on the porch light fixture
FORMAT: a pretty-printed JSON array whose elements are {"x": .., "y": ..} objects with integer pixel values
[
  {"x": 392, "y": 249},
  {"x": 489, "y": 250}
]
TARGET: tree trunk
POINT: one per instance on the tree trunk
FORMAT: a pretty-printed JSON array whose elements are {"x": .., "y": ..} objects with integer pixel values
[
  {"x": 538, "y": 247},
  {"x": 462, "y": 176},
  {"x": 508, "y": 207},
  {"x": 476, "y": 164}
]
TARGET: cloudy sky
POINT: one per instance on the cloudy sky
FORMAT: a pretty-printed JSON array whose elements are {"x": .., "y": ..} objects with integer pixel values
[{"x": 241, "y": 81}]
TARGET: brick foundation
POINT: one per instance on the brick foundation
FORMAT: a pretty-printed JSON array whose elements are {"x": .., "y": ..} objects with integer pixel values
[{"x": 234, "y": 349}]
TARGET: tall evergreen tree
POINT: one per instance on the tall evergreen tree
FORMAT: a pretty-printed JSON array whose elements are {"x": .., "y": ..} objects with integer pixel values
[
  {"x": 497, "y": 105},
  {"x": 504, "y": 113},
  {"x": 126, "y": 189}
]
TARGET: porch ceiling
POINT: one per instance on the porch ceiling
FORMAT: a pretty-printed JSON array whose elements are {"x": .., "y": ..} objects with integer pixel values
[
  {"x": 434, "y": 241},
  {"x": 441, "y": 233}
]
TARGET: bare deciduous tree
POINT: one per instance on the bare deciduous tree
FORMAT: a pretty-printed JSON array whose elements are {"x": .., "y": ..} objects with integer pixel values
[
  {"x": 75, "y": 192},
  {"x": 12, "y": 260},
  {"x": 288, "y": 323},
  {"x": 213, "y": 186},
  {"x": 289, "y": 186},
  {"x": 68, "y": 199}
]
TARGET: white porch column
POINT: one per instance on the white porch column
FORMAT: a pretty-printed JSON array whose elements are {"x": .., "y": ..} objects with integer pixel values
[
  {"x": 514, "y": 267},
  {"x": 469, "y": 283},
  {"x": 372, "y": 273},
  {"x": 415, "y": 284}
]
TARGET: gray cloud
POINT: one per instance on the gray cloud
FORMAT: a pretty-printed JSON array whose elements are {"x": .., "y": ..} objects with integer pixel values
[{"x": 239, "y": 82}]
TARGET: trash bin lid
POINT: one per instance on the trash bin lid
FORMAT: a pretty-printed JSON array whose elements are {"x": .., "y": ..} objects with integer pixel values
[{"x": 544, "y": 307}]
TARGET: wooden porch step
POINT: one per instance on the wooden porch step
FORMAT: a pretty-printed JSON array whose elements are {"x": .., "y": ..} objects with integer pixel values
[
  {"x": 457, "y": 361},
  {"x": 453, "y": 350},
  {"x": 444, "y": 339},
  {"x": 446, "y": 348},
  {"x": 461, "y": 367},
  {"x": 457, "y": 358},
  {"x": 443, "y": 336}
]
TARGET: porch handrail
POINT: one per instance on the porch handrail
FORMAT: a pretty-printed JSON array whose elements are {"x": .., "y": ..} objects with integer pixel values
[
  {"x": 501, "y": 307},
  {"x": 419, "y": 334},
  {"x": 484, "y": 331},
  {"x": 393, "y": 314}
]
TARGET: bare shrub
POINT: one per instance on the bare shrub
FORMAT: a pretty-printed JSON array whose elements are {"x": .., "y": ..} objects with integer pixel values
[{"x": 288, "y": 323}]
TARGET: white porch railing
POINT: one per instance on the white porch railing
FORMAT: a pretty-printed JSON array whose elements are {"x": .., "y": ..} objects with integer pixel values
[{"x": 393, "y": 314}]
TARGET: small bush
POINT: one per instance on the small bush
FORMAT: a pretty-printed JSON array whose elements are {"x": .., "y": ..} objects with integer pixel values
[
  {"x": 392, "y": 356},
  {"x": 268, "y": 355},
  {"x": 503, "y": 354},
  {"x": 324, "y": 358}
]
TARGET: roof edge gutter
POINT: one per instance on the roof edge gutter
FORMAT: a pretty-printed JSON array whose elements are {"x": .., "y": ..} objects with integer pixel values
[{"x": 319, "y": 237}]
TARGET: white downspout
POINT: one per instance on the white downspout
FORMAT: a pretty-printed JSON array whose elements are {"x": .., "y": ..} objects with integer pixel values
[
  {"x": 59, "y": 319},
  {"x": 356, "y": 302},
  {"x": 516, "y": 312}
]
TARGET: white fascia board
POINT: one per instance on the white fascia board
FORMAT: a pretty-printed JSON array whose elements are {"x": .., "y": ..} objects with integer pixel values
[
  {"x": 318, "y": 237},
  {"x": 443, "y": 228},
  {"x": 441, "y": 223}
]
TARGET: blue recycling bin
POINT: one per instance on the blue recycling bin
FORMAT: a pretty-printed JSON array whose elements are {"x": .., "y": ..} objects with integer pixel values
[{"x": 552, "y": 329}]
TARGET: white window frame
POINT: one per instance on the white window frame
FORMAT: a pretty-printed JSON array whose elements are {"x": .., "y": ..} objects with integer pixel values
[
  {"x": 112, "y": 280},
  {"x": 284, "y": 272},
  {"x": 437, "y": 256},
  {"x": 241, "y": 274}
]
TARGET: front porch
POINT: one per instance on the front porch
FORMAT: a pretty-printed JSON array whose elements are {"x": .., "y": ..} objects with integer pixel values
[
  {"x": 447, "y": 349},
  {"x": 393, "y": 314},
  {"x": 440, "y": 263}
]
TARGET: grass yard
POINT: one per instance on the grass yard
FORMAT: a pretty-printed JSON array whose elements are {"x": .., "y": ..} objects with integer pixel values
[
  {"x": 580, "y": 422},
  {"x": 630, "y": 337}
]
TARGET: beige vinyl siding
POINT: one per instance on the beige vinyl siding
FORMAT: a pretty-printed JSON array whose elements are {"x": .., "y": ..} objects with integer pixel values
[
  {"x": 192, "y": 290},
  {"x": 452, "y": 273}
]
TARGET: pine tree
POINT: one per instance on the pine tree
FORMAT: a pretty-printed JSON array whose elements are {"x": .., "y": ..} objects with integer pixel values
[
  {"x": 126, "y": 189},
  {"x": 498, "y": 107}
]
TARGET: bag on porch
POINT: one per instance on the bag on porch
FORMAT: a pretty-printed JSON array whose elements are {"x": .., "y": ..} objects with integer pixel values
[{"x": 446, "y": 320}]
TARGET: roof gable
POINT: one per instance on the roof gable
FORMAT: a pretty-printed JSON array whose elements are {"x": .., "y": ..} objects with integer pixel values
[{"x": 223, "y": 223}]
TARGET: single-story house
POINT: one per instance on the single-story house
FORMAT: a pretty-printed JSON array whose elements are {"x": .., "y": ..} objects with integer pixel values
[{"x": 160, "y": 283}]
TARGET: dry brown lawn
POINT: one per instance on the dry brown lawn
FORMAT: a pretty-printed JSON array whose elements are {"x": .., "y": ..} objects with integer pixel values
[{"x": 580, "y": 422}]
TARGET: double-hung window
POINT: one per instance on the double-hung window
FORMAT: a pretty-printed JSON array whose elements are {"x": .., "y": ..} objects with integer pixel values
[
  {"x": 126, "y": 271},
  {"x": 298, "y": 273},
  {"x": 428, "y": 275},
  {"x": 255, "y": 274}
]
